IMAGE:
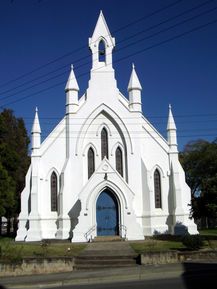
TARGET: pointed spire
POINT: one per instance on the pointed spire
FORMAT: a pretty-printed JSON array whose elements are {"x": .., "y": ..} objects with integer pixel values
[
  {"x": 102, "y": 30},
  {"x": 101, "y": 36},
  {"x": 36, "y": 125},
  {"x": 171, "y": 132},
  {"x": 36, "y": 134},
  {"x": 72, "y": 82},
  {"x": 134, "y": 82},
  {"x": 171, "y": 123},
  {"x": 134, "y": 90}
]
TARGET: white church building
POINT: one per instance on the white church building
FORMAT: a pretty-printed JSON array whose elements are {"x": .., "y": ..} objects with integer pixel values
[{"x": 104, "y": 170}]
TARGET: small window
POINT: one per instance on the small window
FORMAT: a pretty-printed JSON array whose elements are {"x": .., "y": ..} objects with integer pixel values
[
  {"x": 53, "y": 188},
  {"x": 157, "y": 189},
  {"x": 101, "y": 51},
  {"x": 119, "y": 161},
  {"x": 104, "y": 143},
  {"x": 91, "y": 162}
]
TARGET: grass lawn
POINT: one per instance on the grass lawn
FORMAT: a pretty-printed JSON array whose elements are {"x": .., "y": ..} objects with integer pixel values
[
  {"x": 9, "y": 249},
  {"x": 172, "y": 243},
  {"x": 152, "y": 245},
  {"x": 208, "y": 232}
]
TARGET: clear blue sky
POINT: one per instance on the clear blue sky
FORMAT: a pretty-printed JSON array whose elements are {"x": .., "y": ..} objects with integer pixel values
[{"x": 172, "y": 69}]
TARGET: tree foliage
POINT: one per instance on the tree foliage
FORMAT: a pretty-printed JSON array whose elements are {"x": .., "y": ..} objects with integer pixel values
[
  {"x": 199, "y": 160},
  {"x": 7, "y": 191},
  {"x": 14, "y": 161}
]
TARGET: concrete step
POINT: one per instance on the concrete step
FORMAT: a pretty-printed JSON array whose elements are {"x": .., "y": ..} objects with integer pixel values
[
  {"x": 98, "y": 262},
  {"x": 107, "y": 263},
  {"x": 81, "y": 267},
  {"x": 101, "y": 255},
  {"x": 106, "y": 257},
  {"x": 108, "y": 239}
]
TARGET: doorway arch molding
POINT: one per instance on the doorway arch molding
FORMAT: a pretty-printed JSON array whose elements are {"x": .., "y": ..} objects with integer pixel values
[{"x": 109, "y": 185}]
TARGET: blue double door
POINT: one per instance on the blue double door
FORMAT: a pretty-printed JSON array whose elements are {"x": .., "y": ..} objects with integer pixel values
[{"x": 107, "y": 214}]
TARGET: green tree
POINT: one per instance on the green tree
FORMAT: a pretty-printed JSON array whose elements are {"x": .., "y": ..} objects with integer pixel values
[
  {"x": 14, "y": 159},
  {"x": 7, "y": 192},
  {"x": 199, "y": 160}
]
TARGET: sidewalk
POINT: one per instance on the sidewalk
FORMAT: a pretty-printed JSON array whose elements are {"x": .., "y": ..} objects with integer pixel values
[
  {"x": 93, "y": 277},
  {"x": 134, "y": 273}
]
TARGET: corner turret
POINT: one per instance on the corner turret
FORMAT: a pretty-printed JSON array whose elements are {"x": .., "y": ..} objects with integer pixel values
[
  {"x": 171, "y": 132},
  {"x": 36, "y": 132},
  {"x": 71, "y": 90},
  {"x": 134, "y": 90}
]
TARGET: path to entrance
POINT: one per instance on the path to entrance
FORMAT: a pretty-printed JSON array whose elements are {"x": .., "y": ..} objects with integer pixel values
[
  {"x": 101, "y": 255},
  {"x": 109, "y": 249}
]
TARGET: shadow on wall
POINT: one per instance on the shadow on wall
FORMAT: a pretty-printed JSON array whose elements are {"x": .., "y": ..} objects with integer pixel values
[
  {"x": 179, "y": 230},
  {"x": 73, "y": 215},
  {"x": 199, "y": 275}
]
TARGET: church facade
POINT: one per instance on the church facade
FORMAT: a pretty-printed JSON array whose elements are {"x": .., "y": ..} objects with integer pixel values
[{"x": 104, "y": 170}]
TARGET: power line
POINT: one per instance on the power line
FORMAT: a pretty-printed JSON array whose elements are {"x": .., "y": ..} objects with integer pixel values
[
  {"x": 171, "y": 27},
  {"x": 149, "y": 117},
  {"x": 82, "y": 47},
  {"x": 134, "y": 137},
  {"x": 167, "y": 20},
  {"x": 134, "y": 132},
  {"x": 133, "y": 43},
  {"x": 123, "y": 58}
]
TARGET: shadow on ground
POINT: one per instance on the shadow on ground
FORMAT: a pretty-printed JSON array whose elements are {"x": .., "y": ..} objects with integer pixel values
[{"x": 199, "y": 275}]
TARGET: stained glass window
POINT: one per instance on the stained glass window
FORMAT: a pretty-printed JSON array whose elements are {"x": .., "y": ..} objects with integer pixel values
[
  {"x": 104, "y": 143},
  {"x": 119, "y": 161},
  {"x": 91, "y": 162},
  {"x": 157, "y": 189},
  {"x": 53, "y": 188}
]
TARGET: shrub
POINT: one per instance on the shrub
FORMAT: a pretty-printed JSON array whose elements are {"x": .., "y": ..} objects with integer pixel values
[
  {"x": 9, "y": 252},
  {"x": 193, "y": 242}
]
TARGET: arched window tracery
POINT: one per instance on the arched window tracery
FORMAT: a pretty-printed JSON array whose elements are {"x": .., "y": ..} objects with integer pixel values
[
  {"x": 119, "y": 160},
  {"x": 157, "y": 189},
  {"x": 91, "y": 162},
  {"x": 53, "y": 189},
  {"x": 104, "y": 143}
]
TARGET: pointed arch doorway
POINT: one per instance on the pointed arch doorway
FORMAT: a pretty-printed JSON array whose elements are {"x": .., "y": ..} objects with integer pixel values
[{"x": 107, "y": 214}]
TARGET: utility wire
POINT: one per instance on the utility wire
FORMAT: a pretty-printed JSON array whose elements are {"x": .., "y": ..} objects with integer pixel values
[
  {"x": 117, "y": 50},
  {"x": 82, "y": 47},
  {"x": 121, "y": 59},
  {"x": 149, "y": 116},
  {"x": 158, "y": 135}
]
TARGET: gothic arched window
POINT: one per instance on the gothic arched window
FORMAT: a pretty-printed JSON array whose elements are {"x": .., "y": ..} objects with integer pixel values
[
  {"x": 91, "y": 162},
  {"x": 157, "y": 188},
  {"x": 53, "y": 190},
  {"x": 119, "y": 161},
  {"x": 101, "y": 51},
  {"x": 104, "y": 143}
]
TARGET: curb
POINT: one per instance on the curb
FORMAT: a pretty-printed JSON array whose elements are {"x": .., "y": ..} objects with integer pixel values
[{"x": 94, "y": 277}]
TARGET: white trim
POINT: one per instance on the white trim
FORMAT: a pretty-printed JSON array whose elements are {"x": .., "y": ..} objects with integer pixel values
[{"x": 90, "y": 144}]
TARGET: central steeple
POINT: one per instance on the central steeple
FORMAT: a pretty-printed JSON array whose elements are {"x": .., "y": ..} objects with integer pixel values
[{"x": 101, "y": 45}]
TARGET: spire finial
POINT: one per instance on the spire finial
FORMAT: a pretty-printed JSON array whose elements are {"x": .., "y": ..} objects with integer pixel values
[
  {"x": 134, "y": 82},
  {"x": 72, "y": 82},
  {"x": 36, "y": 125},
  {"x": 171, "y": 123},
  {"x": 171, "y": 132}
]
